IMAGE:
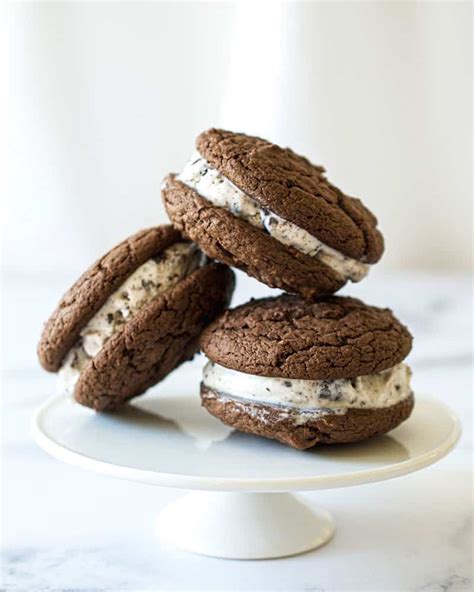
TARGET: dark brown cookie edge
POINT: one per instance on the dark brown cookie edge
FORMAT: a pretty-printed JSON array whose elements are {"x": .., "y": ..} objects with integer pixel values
[
  {"x": 354, "y": 426},
  {"x": 91, "y": 290}
]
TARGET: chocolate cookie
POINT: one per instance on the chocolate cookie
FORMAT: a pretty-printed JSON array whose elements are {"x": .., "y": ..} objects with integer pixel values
[
  {"x": 287, "y": 337},
  {"x": 273, "y": 214},
  {"x": 289, "y": 427},
  {"x": 328, "y": 371},
  {"x": 133, "y": 317}
]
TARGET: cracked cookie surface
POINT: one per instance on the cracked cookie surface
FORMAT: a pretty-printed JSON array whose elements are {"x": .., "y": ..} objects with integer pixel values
[
  {"x": 161, "y": 336},
  {"x": 287, "y": 337},
  {"x": 295, "y": 189}
]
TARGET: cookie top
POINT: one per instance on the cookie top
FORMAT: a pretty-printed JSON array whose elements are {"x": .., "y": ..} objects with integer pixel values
[
  {"x": 295, "y": 189},
  {"x": 286, "y": 337},
  {"x": 89, "y": 293}
]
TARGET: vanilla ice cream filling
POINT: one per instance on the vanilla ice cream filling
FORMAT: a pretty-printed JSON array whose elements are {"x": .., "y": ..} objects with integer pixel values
[
  {"x": 216, "y": 188},
  {"x": 317, "y": 397},
  {"x": 151, "y": 279}
]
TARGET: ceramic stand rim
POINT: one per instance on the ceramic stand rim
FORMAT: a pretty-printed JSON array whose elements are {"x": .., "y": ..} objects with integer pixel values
[{"x": 249, "y": 485}]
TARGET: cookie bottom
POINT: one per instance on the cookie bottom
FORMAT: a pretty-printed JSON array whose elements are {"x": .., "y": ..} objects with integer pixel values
[
  {"x": 303, "y": 431},
  {"x": 237, "y": 243}
]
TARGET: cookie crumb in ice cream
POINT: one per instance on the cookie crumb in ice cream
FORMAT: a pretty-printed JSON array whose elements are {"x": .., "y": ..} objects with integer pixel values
[
  {"x": 151, "y": 279},
  {"x": 220, "y": 191},
  {"x": 379, "y": 390}
]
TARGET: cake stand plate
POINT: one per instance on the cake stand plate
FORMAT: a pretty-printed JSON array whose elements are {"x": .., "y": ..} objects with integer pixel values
[{"x": 243, "y": 509}]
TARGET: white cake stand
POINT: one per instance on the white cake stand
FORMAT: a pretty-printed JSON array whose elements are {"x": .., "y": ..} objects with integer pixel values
[{"x": 243, "y": 509}]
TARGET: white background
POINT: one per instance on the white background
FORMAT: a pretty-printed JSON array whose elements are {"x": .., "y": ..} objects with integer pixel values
[
  {"x": 103, "y": 101},
  {"x": 106, "y": 98}
]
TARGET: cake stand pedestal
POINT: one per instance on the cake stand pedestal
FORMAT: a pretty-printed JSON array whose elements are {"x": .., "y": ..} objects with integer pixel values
[
  {"x": 243, "y": 525},
  {"x": 242, "y": 508}
]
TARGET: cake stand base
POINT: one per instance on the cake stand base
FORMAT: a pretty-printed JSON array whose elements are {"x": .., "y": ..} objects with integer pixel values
[
  {"x": 240, "y": 508},
  {"x": 243, "y": 525}
]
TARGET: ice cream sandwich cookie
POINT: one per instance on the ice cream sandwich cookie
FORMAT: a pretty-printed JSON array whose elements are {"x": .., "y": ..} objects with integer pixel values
[
  {"x": 271, "y": 213},
  {"x": 328, "y": 371},
  {"x": 133, "y": 317}
]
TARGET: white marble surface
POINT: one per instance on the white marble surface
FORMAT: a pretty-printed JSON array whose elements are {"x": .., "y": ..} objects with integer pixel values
[{"x": 67, "y": 529}]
